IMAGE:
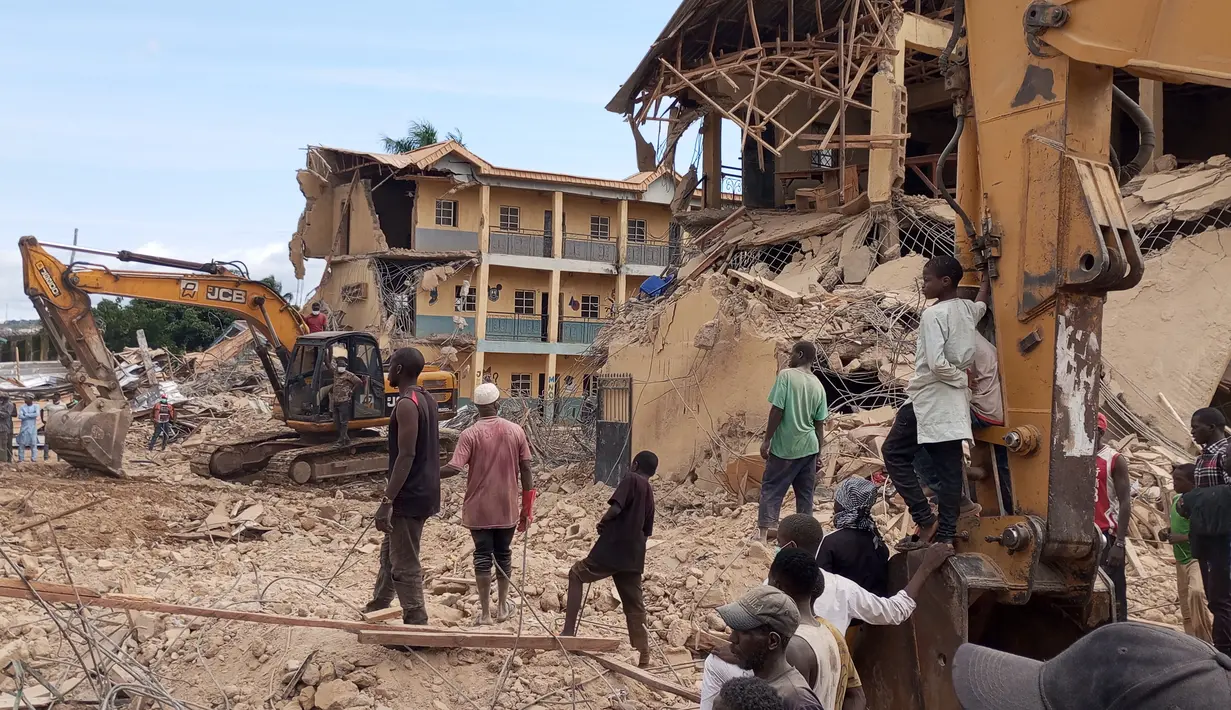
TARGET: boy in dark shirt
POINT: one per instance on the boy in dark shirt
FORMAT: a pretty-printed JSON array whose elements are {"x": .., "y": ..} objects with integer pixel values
[{"x": 619, "y": 553}]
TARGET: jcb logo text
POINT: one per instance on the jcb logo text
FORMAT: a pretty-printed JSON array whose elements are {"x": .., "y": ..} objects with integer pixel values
[{"x": 226, "y": 295}]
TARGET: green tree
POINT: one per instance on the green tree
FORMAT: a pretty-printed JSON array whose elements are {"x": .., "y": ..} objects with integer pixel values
[
  {"x": 418, "y": 134},
  {"x": 173, "y": 326}
]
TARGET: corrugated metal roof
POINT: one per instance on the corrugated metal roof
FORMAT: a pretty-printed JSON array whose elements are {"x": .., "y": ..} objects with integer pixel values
[{"x": 425, "y": 157}]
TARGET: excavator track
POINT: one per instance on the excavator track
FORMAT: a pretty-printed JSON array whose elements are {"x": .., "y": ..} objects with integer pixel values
[
  {"x": 229, "y": 464},
  {"x": 282, "y": 453}
]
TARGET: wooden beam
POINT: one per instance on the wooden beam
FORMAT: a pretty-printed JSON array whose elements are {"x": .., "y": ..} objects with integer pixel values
[
  {"x": 752, "y": 20},
  {"x": 14, "y": 588},
  {"x": 715, "y": 104},
  {"x": 645, "y": 677},
  {"x": 56, "y": 516},
  {"x": 439, "y": 638}
]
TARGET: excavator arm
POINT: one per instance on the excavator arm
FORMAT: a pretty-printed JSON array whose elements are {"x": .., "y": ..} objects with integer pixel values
[
  {"x": 1040, "y": 214},
  {"x": 92, "y": 434}
]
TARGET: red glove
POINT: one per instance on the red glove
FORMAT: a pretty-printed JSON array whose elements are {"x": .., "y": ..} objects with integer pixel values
[{"x": 527, "y": 509}]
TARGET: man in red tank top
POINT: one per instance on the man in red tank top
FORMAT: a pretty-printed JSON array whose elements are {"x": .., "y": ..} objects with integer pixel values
[{"x": 1112, "y": 513}]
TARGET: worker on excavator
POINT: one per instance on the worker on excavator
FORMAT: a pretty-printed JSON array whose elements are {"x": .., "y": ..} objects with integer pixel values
[
  {"x": 317, "y": 322},
  {"x": 342, "y": 398},
  {"x": 937, "y": 416}
]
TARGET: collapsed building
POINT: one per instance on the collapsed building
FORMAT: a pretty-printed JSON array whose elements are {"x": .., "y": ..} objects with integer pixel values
[
  {"x": 480, "y": 266},
  {"x": 848, "y": 161}
]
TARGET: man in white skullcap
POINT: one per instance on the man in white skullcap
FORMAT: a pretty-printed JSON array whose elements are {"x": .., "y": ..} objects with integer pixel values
[{"x": 496, "y": 451}]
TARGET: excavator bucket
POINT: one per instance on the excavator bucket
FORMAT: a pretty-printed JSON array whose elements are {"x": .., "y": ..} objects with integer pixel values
[{"x": 91, "y": 436}]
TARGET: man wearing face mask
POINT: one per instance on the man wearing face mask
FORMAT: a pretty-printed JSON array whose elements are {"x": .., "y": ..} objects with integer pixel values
[
  {"x": 762, "y": 623},
  {"x": 341, "y": 398}
]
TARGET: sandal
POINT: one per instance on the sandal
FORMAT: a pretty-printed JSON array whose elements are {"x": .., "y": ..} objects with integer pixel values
[{"x": 910, "y": 544}]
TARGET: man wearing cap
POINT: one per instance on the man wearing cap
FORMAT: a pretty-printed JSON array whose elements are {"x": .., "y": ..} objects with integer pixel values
[
  {"x": 496, "y": 450},
  {"x": 342, "y": 398},
  {"x": 1112, "y": 513},
  {"x": 1132, "y": 666},
  {"x": 163, "y": 414},
  {"x": 762, "y": 623},
  {"x": 317, "y": 321}
]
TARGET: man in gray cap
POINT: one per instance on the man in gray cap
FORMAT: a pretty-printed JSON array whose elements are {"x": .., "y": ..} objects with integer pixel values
[
  {"x": 1125, "y": 665},
  {"x": 762, "y": 623}
]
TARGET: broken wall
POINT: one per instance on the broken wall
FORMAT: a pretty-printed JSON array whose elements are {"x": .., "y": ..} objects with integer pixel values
[
  {"x": 364, "y": 234},
  {"x": 313, "y": 237},
  {"x": 684, "y": 395},
  {"x": 351, "y": 288},
  {"x": 1170, "y": 335}
]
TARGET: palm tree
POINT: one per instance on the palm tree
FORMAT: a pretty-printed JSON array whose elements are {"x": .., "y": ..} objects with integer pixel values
[{"x": 418, "y": 134}]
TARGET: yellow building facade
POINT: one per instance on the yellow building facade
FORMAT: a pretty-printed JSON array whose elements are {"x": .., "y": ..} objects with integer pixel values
[{"x": 515, "y": 270}]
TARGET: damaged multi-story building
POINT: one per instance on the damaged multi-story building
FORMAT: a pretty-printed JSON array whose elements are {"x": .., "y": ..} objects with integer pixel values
[{"x": 501, "y": 274}]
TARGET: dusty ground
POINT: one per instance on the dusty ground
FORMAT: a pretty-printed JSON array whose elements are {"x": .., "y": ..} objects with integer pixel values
[{"x": 128, "y": 543}]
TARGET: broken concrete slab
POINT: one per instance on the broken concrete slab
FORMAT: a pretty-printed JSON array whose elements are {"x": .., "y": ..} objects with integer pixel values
[
  {"x": 1142, "y": 328},
  {"x": 857, "y": 264},
  {"x": 898, "y": 275}
]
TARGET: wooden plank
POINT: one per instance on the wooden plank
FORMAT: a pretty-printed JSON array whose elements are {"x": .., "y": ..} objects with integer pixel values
[
  {"x": 438, "y": 638},
  {"x": 13, "y": 588},
  {"x": 393, "y": 612},
  {"x": 758, "y": 282},
  {"x": 645, "y": 677},
  {"x": 56, "y": 516}
]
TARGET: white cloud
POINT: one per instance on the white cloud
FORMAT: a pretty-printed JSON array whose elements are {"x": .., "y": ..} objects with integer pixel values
[{"x": 262, "y": 259}]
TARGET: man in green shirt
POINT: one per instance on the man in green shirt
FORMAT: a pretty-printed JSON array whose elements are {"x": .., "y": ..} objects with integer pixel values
[
  {"x": 793, "y": 438},
  {"x": 1198, "y": 621}
]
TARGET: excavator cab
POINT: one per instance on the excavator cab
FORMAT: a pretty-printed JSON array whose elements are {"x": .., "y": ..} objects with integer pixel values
[{"x": 310, "y": 377}]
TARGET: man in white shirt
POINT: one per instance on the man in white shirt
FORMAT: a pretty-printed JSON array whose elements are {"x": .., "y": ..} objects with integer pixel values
[
  {"x": 936, "y": 418},
  {"x": 841, "y": 601}
]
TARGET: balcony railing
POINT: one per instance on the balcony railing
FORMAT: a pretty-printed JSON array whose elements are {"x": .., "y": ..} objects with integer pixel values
[
  {"x": 588, "y": 248},
  {"x": 580, "y": 330},
  {"x": 519, "y": 242},
  {"x": 524, "y": 327},
  {"x": 648, "y": 252}
]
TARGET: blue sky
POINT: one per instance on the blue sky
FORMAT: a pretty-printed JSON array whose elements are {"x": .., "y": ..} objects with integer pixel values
[{"x": 176, "y": 129}]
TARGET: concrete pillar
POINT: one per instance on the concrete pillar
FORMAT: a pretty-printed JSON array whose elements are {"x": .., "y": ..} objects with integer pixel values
[
  {"x": 485, "y": 213},
  {"x": 480, "y": 315},
  {"x": 711, "y": 159},
  {"x": 557, "y": 224},
  {"x": 621, "y": 248},
  {"x": 553, "y": 307},
  {"x": 1151, "y": 100},
  {"x": 887, "y": 162},
  {"x": 478, "y": 369},
  {"x": 549, "y": 397}
]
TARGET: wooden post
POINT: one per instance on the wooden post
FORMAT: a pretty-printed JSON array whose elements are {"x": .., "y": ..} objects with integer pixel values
[
  {"x": 711, "y": 160},
  {"x": 147, "y": 360},
  {"x": 1151, "y": 100}
]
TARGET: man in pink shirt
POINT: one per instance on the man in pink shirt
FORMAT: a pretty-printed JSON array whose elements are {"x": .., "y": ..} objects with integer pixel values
[{"x": 496, "y": 450}]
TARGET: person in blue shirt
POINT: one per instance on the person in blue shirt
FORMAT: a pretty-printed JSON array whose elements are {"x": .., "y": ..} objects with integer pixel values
[{"x": 28, "y": 436}]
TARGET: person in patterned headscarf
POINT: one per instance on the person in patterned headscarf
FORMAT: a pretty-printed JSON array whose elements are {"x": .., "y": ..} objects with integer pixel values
[{"x": 855, "y": 549}]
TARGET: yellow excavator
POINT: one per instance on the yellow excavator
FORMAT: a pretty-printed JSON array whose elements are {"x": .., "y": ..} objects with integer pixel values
[
  {"x": 1040, "y": 213},
  {"x": 91, "y": 435}
]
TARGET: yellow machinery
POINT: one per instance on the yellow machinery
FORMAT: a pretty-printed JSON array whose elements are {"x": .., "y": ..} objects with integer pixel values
[
  {"x": 1040, "y": 212},
  {"x": 91, "y": 435}
]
